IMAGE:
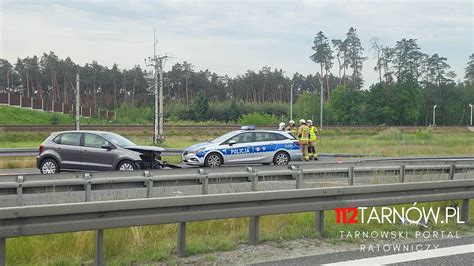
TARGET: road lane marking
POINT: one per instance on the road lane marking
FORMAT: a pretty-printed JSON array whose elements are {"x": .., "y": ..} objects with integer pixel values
[{"x": 410, "y": 256}]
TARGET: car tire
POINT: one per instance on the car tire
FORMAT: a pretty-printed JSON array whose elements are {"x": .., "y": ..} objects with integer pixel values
[
  {"x": 213, "y": 160},
  {"x": 49, "y": 167},
  {"x": 126, "y": 165},
  {"x": 281, "y": 158}
]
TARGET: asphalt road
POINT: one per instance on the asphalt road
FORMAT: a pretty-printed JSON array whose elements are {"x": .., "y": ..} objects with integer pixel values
[
  {"x": 322, "y": 160},
  {"x": 448, "y": 252}
]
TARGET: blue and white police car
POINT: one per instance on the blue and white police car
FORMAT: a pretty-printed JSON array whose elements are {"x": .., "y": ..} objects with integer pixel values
[{"x": 244, "y": 146}]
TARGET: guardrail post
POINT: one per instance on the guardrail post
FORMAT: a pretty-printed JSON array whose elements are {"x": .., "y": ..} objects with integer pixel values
[
  {"x": 298, "y": 175},
  {"x": 3, "y": 251},
  {"x": 452, "y": 168},
  {"x": 99, "y": 234},
  {"x": 254, "y": 221},
  {"x": 205, "y": 181},
  {"x": 87, "y": 186},
  {"x": 148, "y": 183},
  {"x": 181, "y": 240},
  {"x": 99, "y": 248},
  {"x": 465, "y": 211},
  {"x": 402, "y": 173},
  {"x": 319, "y": 221},
  {"x": 351, "y": 176},
  {"x": 253, "y": 177},
  {"x": 254, "y": 230},
  {"x": 19, "y": 191}
]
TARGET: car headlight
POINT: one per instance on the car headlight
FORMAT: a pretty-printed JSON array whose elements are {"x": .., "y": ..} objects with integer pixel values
[{"x": 198, "y": 150}]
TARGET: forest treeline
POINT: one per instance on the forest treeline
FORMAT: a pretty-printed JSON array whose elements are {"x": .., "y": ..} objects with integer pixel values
[{"x": 410, "y": 83}]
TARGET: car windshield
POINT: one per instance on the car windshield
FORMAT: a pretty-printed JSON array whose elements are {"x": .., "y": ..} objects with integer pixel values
[
  {"x": 118, "y": 140},
  {"x": 224, "y": 137}
]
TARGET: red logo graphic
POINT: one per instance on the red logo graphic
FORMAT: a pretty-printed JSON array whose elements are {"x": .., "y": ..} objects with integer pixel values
[{"x": 342, "y": 215}]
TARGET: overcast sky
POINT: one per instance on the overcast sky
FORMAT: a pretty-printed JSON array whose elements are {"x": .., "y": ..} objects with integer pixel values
[{"x": 229, "y": 37}]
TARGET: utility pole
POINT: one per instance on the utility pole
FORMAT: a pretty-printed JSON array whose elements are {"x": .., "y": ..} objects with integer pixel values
[
  {"x": 321, "y": 99},
  {"x": 187, "y": 105},
  {"x": 160, "y": 130},
  {"x": 291, "y": 100},
  {"x": 8, "y": 80},
  {"x": 78, "y": 101},
  {"x": 470, "y": 105},
  {"x": 157, "y": 63}
]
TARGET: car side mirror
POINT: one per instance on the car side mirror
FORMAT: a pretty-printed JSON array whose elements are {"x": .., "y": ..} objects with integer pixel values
[
  {"x": 232, "y": 142},
  {"x": 107, "y": 147}
]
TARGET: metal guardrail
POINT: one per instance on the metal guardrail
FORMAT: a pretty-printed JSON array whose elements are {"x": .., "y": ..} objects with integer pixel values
[
  {"x": 59, "y": 218},
  {"x": 26, "y": 152},
  {"x": 20, "y": 190}
]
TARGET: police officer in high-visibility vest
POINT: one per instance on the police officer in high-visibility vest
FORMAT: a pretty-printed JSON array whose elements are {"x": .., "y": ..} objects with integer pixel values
[
  {"x": 292, "y": 128},
  {"x": 313, "y": 137},
  {"x": 303, "y": 137}
]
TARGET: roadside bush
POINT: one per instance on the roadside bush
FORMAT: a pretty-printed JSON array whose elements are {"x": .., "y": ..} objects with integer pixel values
[
  {"x": 424, "y": 134},
  {"x": 128, "y": 114},
  {"x": 259, "y": 119},
  {"x": 55, "y": 119},
  {"x": 389, "y": 134}
]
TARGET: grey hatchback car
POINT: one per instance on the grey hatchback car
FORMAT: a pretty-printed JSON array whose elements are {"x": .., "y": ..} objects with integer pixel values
[{"x": 94, "y": 151}]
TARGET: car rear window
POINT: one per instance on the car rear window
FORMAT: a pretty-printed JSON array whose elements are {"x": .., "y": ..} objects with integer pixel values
[
  {"x": 57, "y": 139},
  {"x": 263, "y": 136},
  {"x": 73, "y": 139}
]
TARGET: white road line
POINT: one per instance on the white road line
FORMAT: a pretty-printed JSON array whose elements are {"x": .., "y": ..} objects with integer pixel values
[{"x": 404, "y": 257}]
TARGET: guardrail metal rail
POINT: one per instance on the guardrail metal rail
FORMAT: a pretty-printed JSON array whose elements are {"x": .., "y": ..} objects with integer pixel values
[
  {"x": 19, "y": 190},
  {"x": 73, "y": 217}
]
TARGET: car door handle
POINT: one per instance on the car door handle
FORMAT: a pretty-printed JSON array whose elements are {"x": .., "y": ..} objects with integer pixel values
[{"x": 84, "y": 151}]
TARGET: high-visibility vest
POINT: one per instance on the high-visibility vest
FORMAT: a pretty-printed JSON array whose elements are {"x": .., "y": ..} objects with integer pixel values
[
  {"x": 303, "y": 133},
  {"x": 312, "y": 133}
]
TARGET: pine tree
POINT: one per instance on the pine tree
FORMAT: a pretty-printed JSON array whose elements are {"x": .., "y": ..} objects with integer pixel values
[
  {"x": 201, "y": 106},
  {"x": 355, "y": 58},
  {"x": 469, "y": 74}
]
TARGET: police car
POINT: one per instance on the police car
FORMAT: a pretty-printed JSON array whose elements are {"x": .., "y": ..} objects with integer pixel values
[{"x": 245, "y": 146}]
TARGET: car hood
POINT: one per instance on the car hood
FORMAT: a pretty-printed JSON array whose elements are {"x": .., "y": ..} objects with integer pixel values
[
  {"x": 195, "y": 146},
  {"x": 143, "y": 149}
]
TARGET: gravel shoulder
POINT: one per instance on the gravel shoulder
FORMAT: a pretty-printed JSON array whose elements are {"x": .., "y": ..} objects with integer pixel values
[{"x": 283, "y": 250}]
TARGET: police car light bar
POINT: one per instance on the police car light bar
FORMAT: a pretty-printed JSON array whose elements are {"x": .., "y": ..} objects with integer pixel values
[{"x": 247, "y": 127}]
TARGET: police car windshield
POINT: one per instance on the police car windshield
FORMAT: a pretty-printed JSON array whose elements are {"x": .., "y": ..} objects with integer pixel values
[{"x": 224, "y": 137}]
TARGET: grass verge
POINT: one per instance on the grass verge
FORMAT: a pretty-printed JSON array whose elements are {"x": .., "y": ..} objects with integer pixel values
[{"x": 158, "y": 243}]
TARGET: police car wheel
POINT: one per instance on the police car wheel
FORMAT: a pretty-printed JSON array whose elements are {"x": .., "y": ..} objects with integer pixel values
[
  {"x": 281, "y": 158},
  {"x": 213, "y": 160}
]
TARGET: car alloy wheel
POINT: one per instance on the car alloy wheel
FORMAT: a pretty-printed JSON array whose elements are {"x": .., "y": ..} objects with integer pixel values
[
  {"x": 48, "y": 167},
  {"x": 214, "y": 160},
  {"x": 281, "y": 158},
  {"x": 126, "y": 166}
]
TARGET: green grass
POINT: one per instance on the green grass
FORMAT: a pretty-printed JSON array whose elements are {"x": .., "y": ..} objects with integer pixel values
[
  {"x": 158, "y": 243},
  {"x": 408, "y": 145},
  {"x": 22, "y": 116}
]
